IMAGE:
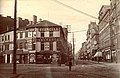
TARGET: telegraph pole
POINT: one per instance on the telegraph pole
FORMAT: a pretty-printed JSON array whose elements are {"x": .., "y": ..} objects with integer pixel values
[
  {"x": 73, "y": 49},
  {"x": 14, "y": 53}
]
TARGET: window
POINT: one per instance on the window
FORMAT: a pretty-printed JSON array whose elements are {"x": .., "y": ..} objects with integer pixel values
[
  {"x": 8, "y": 37},
  {"x": 0, "y": 47},
  {"x": 51, "y": 45},
  {"x": 8, "y": 58},
  {"x": 33, "y": 46},
  {"x": 7, "y": 47},
  {"x": 21, "y": 35},
  {"x": 25, "y": 45},
  {"x": 2, "y": 38},
  {"x": 34, "y": 34},
  {"x": 5, "y": 38},
  {"x": 51, "y": 33},
  {"x": 46, "y": 46},
  {"x": 42, "y": 34},
  {"x": 21, "y": 46},
  {"x": 26, "y": 34},
  {"x": 42, "y": 45}
]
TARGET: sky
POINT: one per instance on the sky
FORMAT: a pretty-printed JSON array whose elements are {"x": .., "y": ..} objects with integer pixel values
[{"x": 57, "y": 13}]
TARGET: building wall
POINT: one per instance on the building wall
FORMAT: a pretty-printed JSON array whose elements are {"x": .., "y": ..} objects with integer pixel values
[
  {"x": 115, "y": 17},
  {"x": 92, "y": 39},
  {"x": 29, "y": 42},
  {"x": 6, "y": 43}
]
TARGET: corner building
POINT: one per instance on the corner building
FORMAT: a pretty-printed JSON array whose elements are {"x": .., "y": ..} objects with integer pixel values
[
  {"x": 40, "y": 42},
  {"x": 43, "y": 42}
]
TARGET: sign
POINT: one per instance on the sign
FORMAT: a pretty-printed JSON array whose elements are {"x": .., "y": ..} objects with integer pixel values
[
  {"x": 49, "y": 29},
  {"x": 47, "y": 39}
]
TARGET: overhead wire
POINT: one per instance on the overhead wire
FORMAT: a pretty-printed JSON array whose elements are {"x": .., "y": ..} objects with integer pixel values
[{"x": 75, "y": 9}]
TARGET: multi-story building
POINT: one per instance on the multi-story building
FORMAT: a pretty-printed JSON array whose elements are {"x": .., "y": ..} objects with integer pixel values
[
  {"x": 115, "y": 28},
  {"x": 6, "y": 37},
  {"x": 92, "y": 40},
  {"x": 88, "y": 40},
  {"x": 83, "y": 55},
  {"x": 7, "y": 23},
  {"x": 39, "y": 42},
  {"x": 6, "y": 46},
  {"x": 105, "y": 33}
]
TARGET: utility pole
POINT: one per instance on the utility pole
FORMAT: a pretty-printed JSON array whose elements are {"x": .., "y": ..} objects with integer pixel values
[
  {"x": 74, "y": 44},
  {"x": 111, "y": 35},
  {"x": 116, "y": 16},
  {"x": 73, "y": 49},
  {"x": 14, "y": 53}
]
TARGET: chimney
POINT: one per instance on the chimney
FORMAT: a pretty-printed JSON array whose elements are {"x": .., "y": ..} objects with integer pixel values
[
  {"x": 9, "y": 17},
  {"x": 30, "y": 22},
  {"x": 34, "y": 19}
]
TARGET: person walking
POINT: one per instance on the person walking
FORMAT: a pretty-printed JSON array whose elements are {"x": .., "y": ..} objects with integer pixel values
[{"x": 70, "y": 64}]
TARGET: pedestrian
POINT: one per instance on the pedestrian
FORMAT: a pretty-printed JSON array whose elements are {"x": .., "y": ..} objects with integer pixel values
[{"x": 70, "y": 64}]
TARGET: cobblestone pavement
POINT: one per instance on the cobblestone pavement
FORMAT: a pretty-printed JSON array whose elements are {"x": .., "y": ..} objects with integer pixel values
[{"x": 82, "y": 70}]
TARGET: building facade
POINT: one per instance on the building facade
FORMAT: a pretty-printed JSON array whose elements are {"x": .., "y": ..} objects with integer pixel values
[
  {"x": 83, "y": 55},
  {"x": 115, "y": 23},
  {"x": 92, "y": 40},
  {"x": 105, "y": 33},
  {"x": 109, "y": 31},
  {"x": 38, "y": 42}
]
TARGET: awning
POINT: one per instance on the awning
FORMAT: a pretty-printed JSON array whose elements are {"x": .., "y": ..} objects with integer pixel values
[{"x": 98, "y": 54}]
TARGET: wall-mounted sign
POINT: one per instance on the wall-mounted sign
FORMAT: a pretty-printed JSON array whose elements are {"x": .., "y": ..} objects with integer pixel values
[
  {"x": 49, "y": 29},
  {"x": 47, "y": 39}
]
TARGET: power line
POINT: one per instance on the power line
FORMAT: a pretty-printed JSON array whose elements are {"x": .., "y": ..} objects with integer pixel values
[
  {"x": 74, "y": 9},
  {"x": 77, "y": 31}
]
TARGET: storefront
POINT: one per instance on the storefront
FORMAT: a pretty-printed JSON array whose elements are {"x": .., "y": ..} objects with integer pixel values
[
  {"x": 47, "y": 57},
  {"x": 2, "y": 58},
  {"x": 22, "y": 57}
]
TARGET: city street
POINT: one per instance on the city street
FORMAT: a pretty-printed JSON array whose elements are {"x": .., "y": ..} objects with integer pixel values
[{"x": 84, "y": 69}]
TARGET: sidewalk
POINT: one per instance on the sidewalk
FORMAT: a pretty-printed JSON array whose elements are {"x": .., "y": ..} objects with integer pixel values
[
  {"x": 106, "y": 63},
  {"x": 6, "y": 70}
]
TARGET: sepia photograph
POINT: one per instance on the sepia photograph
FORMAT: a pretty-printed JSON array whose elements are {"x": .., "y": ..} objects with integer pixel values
[{"x": 59, "y": 38}]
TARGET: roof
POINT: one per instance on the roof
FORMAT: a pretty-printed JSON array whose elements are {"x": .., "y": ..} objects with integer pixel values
[{"x": 43, "y": 24}]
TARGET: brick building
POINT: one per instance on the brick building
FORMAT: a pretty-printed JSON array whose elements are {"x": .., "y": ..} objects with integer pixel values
[{"x": 37, "y": 42}]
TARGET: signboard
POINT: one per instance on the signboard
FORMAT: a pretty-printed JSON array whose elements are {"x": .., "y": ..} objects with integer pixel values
[
  {"x": 49, "y": 29},
  {"x": 47, "y": 39}
]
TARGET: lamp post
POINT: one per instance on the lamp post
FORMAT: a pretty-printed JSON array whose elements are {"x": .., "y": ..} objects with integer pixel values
[{"x": 14, "y": 53}]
